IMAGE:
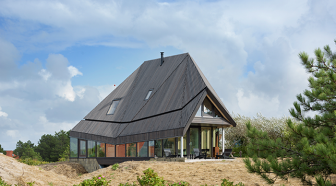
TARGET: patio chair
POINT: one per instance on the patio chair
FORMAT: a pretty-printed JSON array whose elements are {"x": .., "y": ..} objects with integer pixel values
[
  {"x": 226, "y": 154},
  {"x": 168, "y": 153},
  {"x": 198, "y": 154}
]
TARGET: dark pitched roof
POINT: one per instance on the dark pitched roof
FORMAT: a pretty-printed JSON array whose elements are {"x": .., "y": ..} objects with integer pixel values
[{"x": 179, "y": 87}]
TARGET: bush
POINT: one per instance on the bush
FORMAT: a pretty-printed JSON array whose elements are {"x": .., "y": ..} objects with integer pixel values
[
  {"x": 30, "y": 161},
  {"x": 95, "y": 181},
  {"x": 236, "y": 137},
  {"x": 3, "y": 183},
  {"x": 150, "y": 178},
  {"x": 115, "y": 166}
]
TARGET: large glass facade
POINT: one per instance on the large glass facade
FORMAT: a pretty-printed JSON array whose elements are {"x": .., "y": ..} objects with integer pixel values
[
  {"x": 92, "y": 149},
  {"x": 205, "y": 140},
  {"x": 169, "y": 144},
  {"x": 207, "y": 107},
  {"x": 151, "y": 149},
  {"x": 120, "y": 150},
  {"x": 82, "y": 148},
  {"x": 110, "y": 150},
  {"x": 73, "y": 147},
  {"x": 131, "y": 150},
  {"x": 158, "y": 148},
  {"x": 100, "y": 149},
  {"x": 142, "y": 149},
  {"x": 194, "y": 140},
  {"x": 184, "y": 145}
]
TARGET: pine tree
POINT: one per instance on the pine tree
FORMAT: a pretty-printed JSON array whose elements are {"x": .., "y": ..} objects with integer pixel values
[{"x": 314, "y": 151}]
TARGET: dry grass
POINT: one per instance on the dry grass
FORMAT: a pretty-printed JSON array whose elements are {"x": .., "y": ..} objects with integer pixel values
[{"x": 197, "y": 173}]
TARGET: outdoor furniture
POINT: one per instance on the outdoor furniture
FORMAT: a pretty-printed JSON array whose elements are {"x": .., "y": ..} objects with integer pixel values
[
  {"x": 169, "y": 154},
  {"x": 198, "y": 154},
  {"x": 226, "y": 154},
  {"x": 205, "y": 152}
]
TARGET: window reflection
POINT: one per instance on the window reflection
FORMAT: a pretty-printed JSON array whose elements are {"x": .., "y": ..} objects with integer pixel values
[
  {"x": 110, "y": 150},
  {"x": 142, "y": 149}
]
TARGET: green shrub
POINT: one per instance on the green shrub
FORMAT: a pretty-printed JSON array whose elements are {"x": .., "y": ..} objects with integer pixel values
[
  {"x": 150, "y": 178},
  {"x": 115, "y": 166},
  {"x": 30, "y": 161},
  {"x": 3, "y": 183},
  {"x": 181, "y": 183},
  {"x": 95, "y": 181},
  {"x": 228, "y": 183}
]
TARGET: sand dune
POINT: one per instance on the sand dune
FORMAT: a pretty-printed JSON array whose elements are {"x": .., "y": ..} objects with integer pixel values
[{"x": 197, "y": 173}]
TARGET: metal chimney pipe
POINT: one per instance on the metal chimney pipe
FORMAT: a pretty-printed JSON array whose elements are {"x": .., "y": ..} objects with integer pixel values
[{"x": 161, "y": 58}]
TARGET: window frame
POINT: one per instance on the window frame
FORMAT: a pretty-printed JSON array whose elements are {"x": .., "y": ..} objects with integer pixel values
[
  {"x": 150, "y": 90},
  {"x": 118, "y": 99}
]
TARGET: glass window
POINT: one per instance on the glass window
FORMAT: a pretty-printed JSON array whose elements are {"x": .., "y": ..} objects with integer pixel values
[
  {"x": 120, "y": 150},
  {"x": 205, "y": 137},
  {"x": 158, "y": 148},
  {"x": 194, "y": 140},
  {"x": 184, "y": 145},
  {"x": 207, "y": 107},
  {"x": 151, "y": 148},
  {"x": 217, "y": 113},
  {"x": 169, "y": 144},
  {"x": 82, "y": 148},
  {"x": 91, "y": 149},
  {"x": 131, "y": 150},
  {"x": 148, "y": 94},
  {"x": 73, "y": 147},
  {"x": 113, "y": 106},
  {"x": 101, "y": 149},
  {"x": 110, "y": 150},
  {"x": 142, "y": 149},
  {"x": 199, "y": 111}
]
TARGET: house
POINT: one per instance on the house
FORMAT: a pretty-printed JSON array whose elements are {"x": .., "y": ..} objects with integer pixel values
[
  {"x": 11, "y": 154},
  {"x": 166, "y": 103}
]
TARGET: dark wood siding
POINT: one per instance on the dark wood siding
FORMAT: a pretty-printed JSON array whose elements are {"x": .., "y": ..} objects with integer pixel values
[{"x": 179, "y": 87}]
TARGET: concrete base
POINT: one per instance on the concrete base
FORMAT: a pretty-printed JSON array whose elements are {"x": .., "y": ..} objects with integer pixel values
[
  {"x": 90, "y": 164},
  {"x": 169, "y": 159}
]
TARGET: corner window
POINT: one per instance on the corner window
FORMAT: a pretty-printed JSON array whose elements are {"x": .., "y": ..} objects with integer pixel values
[
  {"x": 73, "y": 147},
  {"x": 113, "y": 106},
  {"x": 148, "y": 94}
]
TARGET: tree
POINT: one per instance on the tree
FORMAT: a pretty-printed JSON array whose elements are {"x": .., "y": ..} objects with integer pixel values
[
  {"x": 22, "y": 147},
  {"x": 2, "y": 150},
  {"x": 314, "y": 150},
  {"x": 30, "y": 153},
  {"x": 51, "y": 147},
  {"x": 237, "y": 139}
]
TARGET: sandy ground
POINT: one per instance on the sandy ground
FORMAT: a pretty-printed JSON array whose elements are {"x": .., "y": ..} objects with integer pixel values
[{"x": 196, "y": 173}]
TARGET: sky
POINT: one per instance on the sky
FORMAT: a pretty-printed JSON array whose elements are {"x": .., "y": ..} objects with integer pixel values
[{"x": 60, "y": 58}]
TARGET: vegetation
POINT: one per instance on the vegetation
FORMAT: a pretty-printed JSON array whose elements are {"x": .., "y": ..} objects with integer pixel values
[
  {"x": 237, "y": 139},
  {"x": 151, "y": 178},
  {"x": 115, "y": 166},
  {"x": 2, "y": 150},
  {"x": 3, "y": 183},
  {"x": 51, "y": 147},
  {"x": 95, "y": 181},
  {"x": 313, "y": 150},
  {"x": 30, "y": 161}
]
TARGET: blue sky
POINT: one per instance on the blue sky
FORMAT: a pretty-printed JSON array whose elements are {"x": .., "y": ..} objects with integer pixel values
[{"x": 59, "y": 59}]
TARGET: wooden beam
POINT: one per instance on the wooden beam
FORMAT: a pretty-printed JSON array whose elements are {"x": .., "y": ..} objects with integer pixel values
[{"x": 217, "y": 108}]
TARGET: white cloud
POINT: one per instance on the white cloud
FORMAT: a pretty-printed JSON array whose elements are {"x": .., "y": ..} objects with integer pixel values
[
  {"x": 74, "y": 71},
  {"x": 44, "y": 74},
  {"x": 12, "y": 133},
  {"x": 252, "y": 104},
  {"x": 3, "y": 114},
  {"x": 247, "y": 50}
]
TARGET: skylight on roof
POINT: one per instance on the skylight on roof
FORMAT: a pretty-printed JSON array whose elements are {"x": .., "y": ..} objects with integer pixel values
[
  {"x": 148, "y": 94},
  {"x": 113, "y": 107}
]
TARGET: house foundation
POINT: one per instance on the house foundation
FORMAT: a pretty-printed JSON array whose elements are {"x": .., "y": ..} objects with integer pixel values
[{"x": 90, "y": 164}]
